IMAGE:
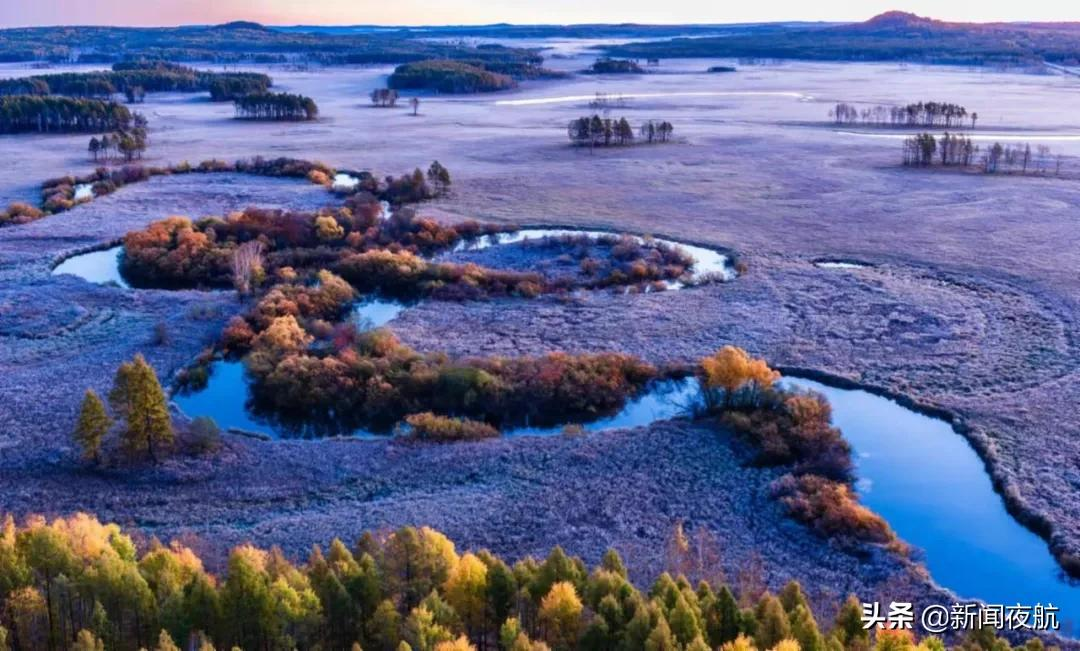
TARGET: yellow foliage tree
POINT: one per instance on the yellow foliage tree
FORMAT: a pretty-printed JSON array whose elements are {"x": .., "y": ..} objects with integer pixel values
[
  {"x": 560, "y": 612},
  {"x": 284, "y": 334},
  {"x": 328, "y": 229},
  {"x": 466, "y": 589},
  {"x": 731, "y": 370},
  {"x": 741, "y": 643},
  {"x": 460, "y": 644}
]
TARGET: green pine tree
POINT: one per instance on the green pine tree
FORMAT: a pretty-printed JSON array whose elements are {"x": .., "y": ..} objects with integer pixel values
[
  {"x": 92, "y": 426},
  {"x": 137, "y": 396}
]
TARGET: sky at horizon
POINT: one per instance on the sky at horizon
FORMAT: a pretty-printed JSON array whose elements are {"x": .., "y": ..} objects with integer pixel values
[{"x": 20, "y": 13}]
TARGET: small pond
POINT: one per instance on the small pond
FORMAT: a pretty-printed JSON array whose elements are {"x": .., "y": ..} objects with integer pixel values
[
  {"x": 96, "y": 266},
  {"x": 840, "y": 265}
]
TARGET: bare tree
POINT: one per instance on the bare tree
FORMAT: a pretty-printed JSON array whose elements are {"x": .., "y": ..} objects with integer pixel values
[{"x": 247, "y": 263}]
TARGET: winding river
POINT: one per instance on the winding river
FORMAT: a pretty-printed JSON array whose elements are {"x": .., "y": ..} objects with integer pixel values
[{"x": 916, "y": 471}]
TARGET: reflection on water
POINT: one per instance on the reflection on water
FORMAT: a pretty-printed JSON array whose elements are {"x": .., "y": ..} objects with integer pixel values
[
  {"x": 374, "y": 312},
  {"x": 932, "y": 488},
  {"x": 96, "y": 266},
  {"x": 662, "y": 400}
]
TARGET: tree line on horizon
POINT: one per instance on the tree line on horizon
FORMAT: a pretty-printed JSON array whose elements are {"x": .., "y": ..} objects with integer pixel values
[{"x": 920, "y": 114}]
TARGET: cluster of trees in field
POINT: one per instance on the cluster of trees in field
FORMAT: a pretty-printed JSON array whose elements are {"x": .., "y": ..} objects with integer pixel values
[
  {"x": 140, "y": 426},
  {"x": 596, "y": 131},
  {"x": 136, "y": 78},
  {"x": 608, "y": 66},
  {"x": 276, "y": 106},
  {"x": 384, "y": 97},
  {"x": 51, "y": 114},
  {"x": 921, "y": 114},
  {"x": 124, "y": 145},
  {"x": 76, "y": 583},
  {"x": 925, "y": 150},
  {"x": 444, "y": 76}
]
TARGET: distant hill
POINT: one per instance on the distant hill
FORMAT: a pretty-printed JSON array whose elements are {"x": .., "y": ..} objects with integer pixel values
[
  {"x": 891, "y": 36},
  {"x": 237, "y": 42}
]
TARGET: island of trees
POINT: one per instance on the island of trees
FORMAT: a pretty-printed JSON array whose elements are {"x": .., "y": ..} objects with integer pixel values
[
  {"x": 445, "y": 76},
  {"x": 52, "y": 114},
  {"x": 276, "y": 107},
  {"x": 921, "y": 114},
  {"x": 77, "y": 583},
  {"x": 608, "y": 66},
  {"x": 596, "y": 131},
  {"x": 120, "y": 145},
  {"x": 948, "y": 150}
]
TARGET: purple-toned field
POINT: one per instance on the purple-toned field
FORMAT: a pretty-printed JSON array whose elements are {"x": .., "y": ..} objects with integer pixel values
[{"x": 969, "y": 306}]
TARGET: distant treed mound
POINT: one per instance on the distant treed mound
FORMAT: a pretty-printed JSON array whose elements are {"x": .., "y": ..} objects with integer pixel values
[
  {"x": 615, "y": 67},
  {"x": 276, "y": 106},
  {"x": 236, "y": 42},
  {"x": 148, "y": 76},
  {"x": 893, "y": 36},
  {"x": 448, "y": 77}
]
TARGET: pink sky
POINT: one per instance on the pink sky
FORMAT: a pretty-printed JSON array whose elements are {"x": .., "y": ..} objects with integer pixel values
[{"x": 431, "y": 12}]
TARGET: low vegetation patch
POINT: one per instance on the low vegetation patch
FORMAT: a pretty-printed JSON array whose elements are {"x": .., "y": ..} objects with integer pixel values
[
  {"x": 58, "y": 194},
  {"x": 308, "y": 372},
  {"x": 791, "y": 428},
  {"x": 431, "y": 427},
  {"x": 831, "y": 508}
]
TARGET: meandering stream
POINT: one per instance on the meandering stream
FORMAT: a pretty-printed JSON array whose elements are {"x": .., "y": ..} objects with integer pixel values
[{"x": 916, "y": 471}]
